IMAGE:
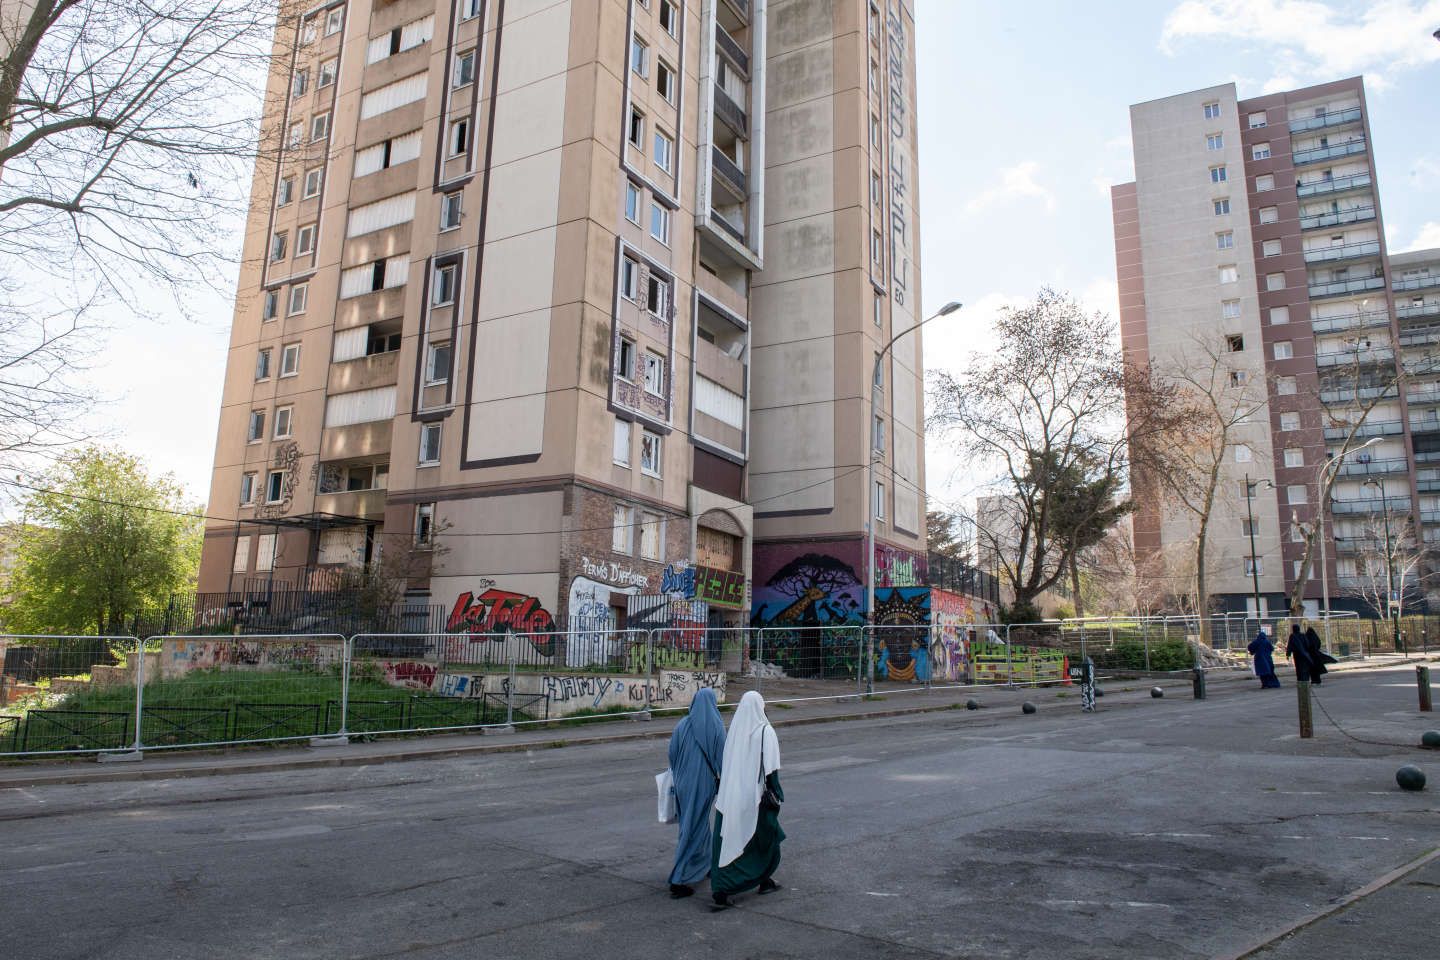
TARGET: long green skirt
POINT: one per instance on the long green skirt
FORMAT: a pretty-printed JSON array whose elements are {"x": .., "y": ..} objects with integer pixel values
[{"x": 761, "y": 856}]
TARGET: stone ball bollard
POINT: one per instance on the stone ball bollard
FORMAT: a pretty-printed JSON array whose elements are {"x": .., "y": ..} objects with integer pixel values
[
  {"x": 1027, "y": 707},
  {"x": 972, "y": 704},
  {"x": 1410, "y": 777},
  {"x": 1431, "y": 739},
  {"x": 1157, "y": 692}
]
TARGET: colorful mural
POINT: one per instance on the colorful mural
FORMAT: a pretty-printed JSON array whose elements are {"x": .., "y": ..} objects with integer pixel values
[
  {"x": 902, "y": 642},
  {"x": 898, "y": 568},
  {"x": 999, "y": 663},
  {"x": 810, "y": 599},
  {"x": 951, "y": 618},
  {"x": 499, "y": 612}
]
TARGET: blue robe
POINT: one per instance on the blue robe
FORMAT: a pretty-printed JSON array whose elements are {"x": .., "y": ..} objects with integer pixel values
[
  {"x": 1263, "y": 651},
  {"x": 696, "y": 748}
]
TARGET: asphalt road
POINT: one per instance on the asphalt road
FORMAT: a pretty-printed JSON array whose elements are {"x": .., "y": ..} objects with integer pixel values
[{"x": 1167, "y": 828}]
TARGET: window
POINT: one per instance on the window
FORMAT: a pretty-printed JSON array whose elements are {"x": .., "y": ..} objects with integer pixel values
[
  {"x": 429, "y": 443},
  {"x": 1218, "y": 174},
  {"x": 1257, "y": 120},
  {"x": 622, "y": 533},
  {"x": 450, "y": 211},
  {"x": 639, "y": 56},
  {"x": 649, "y": 529},
  {"x": 1243, "y": 453},
  {"x": 262, "y": 365},
  {"x": 877, "y": 247},
  {"x": 1260, "y": 151},
  {"x": 1214, "y": 141},
  {"x": 1235, "y": 343},
  {"x": 1249, "y": 528},
  {"x": 657, "y": 297},
  {"x": 620, "y": 448},
  {"x": 464, "y": 69},
  {"x": 625, "y": 362},
  {"x": 327, "y": 72},
  {"x": 271, "y": 308},
  {"x": 669, "y": 18},
  {"x": 874, "y": 76},
  {"x": 1286, "y": 386},
  {"x": 632, "y": 203},
  {"x": 654, "y": 374},
  {"x": 629, "y": 278},
  {"x": 290, "y": 360},
  {"x": 285, "y": 192},
  {"x": 878, "y": 497},
  {"x": 277, "y": 246},
  {"x": 1274, "y": 281},
  {"x": 877, "y": 378},
  {"x": 637, "y": 128},
  {"x": 650, "y": 453},
  {"x": 875, "y": 131},
  {"x": 1269, "y": 214},
  {"x": 242, "y": 555},
  {"x": 877, "y": 435},
  {"x": 1270, "y": 248},
  {"x": 1225, "y": 240},
  {"x": 444, "y": 292},
  {"x": 1297, "y": 493},
  {"x": 1212, "y": 110},
  {"x": 1290, "y": 420},
  {"x": 334, "y": 20},
  {"x": 459, "y": 137},
  {"x": 299, "y": 82},
  {"x": 299, "y": 294},
  {"x": 312, "y": 183},
  {"x": 437, "y": 364},
  {"x": 305, "y": 240},
  {"x": 1238, "y": 378},
  {"x": 879, "y": 311},
  {"x": 660, "y": 223},
  {"x": 283, "y": 416},
  {"x": 875, "y": 189},
  {"x": 1228, "y": 274},
  {"x": 1222, "y": 206},
  {"x": 664, "y": 148},
  {"x": 1294, "y": 457},
  {"x": 424, "y": 524},
  {"x": 1284, "y": 350},
  {"x": 1265, "y": 182},
  {"x": 274, "y": 486},
  {"x": 319, "y": 127},
  {"x": 247, "y": 488},
  {"x": 1254, "y": 566},
  {"x": 1230, "y": 309},
  {"x": 1279, "y": 315},
  {"x": 471, "y": 10},
  {"x": 296, "y": 135},
  {"x": 381, "y": 343},
  {"x": 665, "y": 81}
]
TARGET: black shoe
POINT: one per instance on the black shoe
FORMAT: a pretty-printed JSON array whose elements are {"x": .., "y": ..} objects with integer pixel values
[
  {"x": 722, "y": 900},
  {"x": 679, "y": 891},
  {"x": 768, "y": 886}
]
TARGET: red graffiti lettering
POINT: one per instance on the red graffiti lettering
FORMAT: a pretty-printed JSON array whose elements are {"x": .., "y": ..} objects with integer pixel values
[
  {"x": 413, "y": 674},
  {"x": 501, "y": 612}
]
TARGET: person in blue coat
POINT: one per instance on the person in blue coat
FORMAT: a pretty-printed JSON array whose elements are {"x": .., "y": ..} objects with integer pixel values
[
  {"x": 697, "y": 748},
  {"x": 1263, "y": 650}
]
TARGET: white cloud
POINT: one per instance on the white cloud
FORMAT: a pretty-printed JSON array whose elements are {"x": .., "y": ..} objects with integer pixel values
[
  {"x": 1428, "y": 238},
  {"x": 1017, "y": 182},
  {"x": 1312, "y": 40}
]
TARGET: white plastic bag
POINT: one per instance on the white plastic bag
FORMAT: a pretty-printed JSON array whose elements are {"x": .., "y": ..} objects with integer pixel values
[{"x": 667, "y": 808}]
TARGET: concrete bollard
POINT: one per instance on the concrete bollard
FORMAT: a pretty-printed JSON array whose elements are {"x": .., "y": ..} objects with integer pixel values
[
  {"x": 1422, "y": 682},
  {"x": 1199, "y": 683}
]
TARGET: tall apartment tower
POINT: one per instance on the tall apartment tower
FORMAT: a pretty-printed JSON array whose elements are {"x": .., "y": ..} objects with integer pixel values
[
  {"x": 505, "y": 287},
  {"x": 1252, "y": 241}
]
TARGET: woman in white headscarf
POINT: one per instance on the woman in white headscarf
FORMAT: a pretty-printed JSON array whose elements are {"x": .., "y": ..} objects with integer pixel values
[{"x": 747, "y": 806}]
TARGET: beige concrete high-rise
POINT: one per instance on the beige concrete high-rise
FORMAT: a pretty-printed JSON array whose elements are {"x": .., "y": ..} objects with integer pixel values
[{"x": 509, "y": 296}]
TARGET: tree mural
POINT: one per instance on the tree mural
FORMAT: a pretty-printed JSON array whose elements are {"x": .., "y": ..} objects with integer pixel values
[{"x": 819, "y": 585}]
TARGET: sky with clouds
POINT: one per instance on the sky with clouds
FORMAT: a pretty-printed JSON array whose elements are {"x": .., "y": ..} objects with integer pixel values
[{"x": 1024, "y": 125}]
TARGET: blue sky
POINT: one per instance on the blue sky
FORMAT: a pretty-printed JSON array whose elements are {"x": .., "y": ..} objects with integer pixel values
[{"x": 1024, "y": 124}]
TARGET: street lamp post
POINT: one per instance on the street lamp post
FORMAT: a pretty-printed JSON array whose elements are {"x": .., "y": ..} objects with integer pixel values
[
  {"x": 1254, "y": 558},
  {"x": 1329, "y": 464},
  {"x": 1391, "y": 601},
  {"x": 946, "y": 310}
]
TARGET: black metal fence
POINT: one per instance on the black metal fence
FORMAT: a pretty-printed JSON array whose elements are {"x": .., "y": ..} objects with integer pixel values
[{"x": 284, "y": 610}]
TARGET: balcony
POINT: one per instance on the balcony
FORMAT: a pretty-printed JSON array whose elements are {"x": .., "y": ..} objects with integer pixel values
[
  {"x": 1421, "y": 366},
  {"x": 1369, "y": 320},
  {"x": 1425, "y": 396},
  {"x": 1428, "y": 481},
  {"x": 1320, "y": 188},
  {"x": 1340, "y": 288},
  {"x": 1371, "y": 428},
  {"x": 1353, "y": 394},
  {"x": 1343, "y": 508},
  {"x": 1336, "y": 119},
  {"x": 1430, "y": 424},
  {"x": 1430, "y": 516},
  {"x": 741, "y": 9},
  {"x": 1348, "y": 251},
  {"x": 729, "y": 174},
  {"x": 719, "y": 367},
  {"x": 733, "y": 51},
  {"x": 364, "y": 373},
  {"x": 1418, "y": 337},
  {"x": 1336, "y": 358},
  {"x": 1373, "y": 468},
  {"x": 731, "y": 113},
  {"x": 1417, "y": 283},
  {"x": 1338, "y": 218},
  {"x": 724, "y": 223},
  {"x": 1418, "y": 310},
  {"x": 352, "y": 503},
  {"x": 356, "y": 440},
  {"x": 1334, "y": 152}
]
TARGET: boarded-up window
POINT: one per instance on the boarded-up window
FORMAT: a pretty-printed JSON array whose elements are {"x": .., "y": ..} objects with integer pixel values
[
  {"x": 392, "y": 95},
  {"x": 389, "y": 212},
  {"x": 362, "y": 406}
]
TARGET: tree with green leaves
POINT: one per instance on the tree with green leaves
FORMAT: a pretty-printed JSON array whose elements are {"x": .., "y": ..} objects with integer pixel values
[{"x": 103, "y": 541}]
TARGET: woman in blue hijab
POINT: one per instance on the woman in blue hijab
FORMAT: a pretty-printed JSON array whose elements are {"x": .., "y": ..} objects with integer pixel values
[
  {"x": 696, "y": 749},
  {"x": 1264, "y": 653}
]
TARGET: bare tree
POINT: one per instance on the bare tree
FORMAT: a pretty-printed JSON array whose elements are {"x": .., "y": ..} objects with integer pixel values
[
  {"x": 1211, "y": 399},
  {"x": 1378, "y": 559},
  {"x": 128, "y": 132},
  {"x": 1042, "y": 412}
]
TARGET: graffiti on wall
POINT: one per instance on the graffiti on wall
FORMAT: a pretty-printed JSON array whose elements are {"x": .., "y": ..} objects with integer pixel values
[
  {"x": 999, "y": 663},
  {"x": 902, "y": 645},
  {"x": 592, "y": 619},
  {"x": 182, "y": 656},
  {"x": 498, "y": 613},
  {"x": 811, "y": 602},
  {"x": 898, "y": 568},
  {"x": 951, "y": 617}
]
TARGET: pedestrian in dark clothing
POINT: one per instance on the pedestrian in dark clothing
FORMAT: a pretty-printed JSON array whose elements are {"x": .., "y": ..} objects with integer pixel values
[
  {"x": 1298, "y": 649},
  {"x": 1263, "y": 651},
  {"x": 1318, "y": 656}
]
